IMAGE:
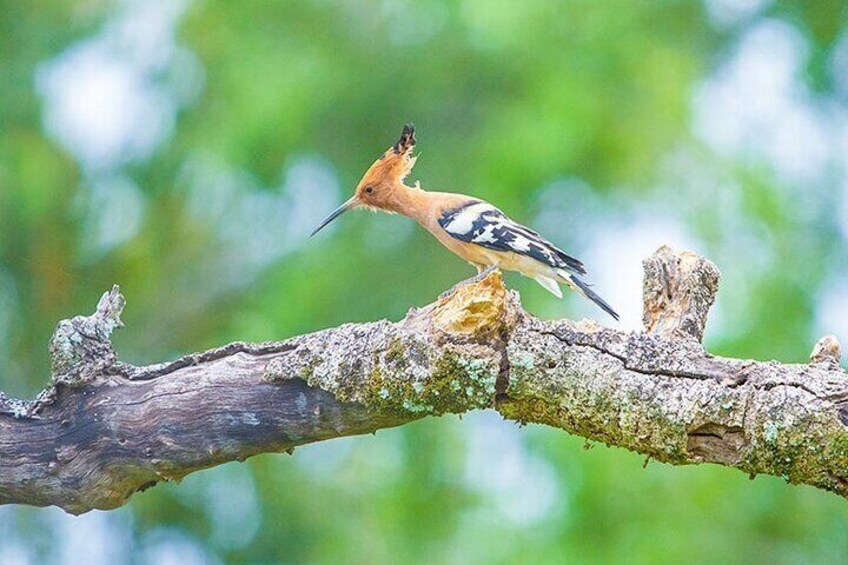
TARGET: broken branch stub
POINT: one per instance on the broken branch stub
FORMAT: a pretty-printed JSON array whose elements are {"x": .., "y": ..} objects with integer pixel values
[
  {"x": 679, "y": 289},
  {"x": 80, "y": 347},
  {"x": 443, "y": 358},
  {"x": 827, "y": 351},
  {"x": 105, "y": 430}
]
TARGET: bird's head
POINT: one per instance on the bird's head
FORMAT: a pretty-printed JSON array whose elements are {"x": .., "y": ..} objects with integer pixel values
[{"x": 378, "y": 185}]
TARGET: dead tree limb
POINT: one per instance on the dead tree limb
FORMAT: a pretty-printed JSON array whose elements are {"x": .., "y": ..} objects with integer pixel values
[{"x": 104, "y": 429}]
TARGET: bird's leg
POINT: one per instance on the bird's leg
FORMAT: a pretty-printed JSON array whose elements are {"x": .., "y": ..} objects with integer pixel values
[{"x": 482, "y": 273}]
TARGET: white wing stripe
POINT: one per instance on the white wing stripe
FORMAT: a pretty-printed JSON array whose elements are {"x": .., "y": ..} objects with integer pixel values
[
  {"x": 483, "y": 224},
  {"x": 486, "y": 236},
  {"x": 463, "y": 222},
  {"x": 520, "y": 244}
]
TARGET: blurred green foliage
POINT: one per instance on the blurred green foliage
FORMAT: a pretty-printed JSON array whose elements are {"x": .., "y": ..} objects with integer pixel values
[{"x": 248, "y": 121}]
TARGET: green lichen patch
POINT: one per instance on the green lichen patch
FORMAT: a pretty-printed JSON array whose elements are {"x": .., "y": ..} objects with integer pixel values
[
  {"x": 454, "y": 385},
  {"x": 393, "y": 371},
  {"x": 307, "y": 370},
  {"x": 589, "y": 394},
  {"x": 800, "y": 447},
  {"x": 395, "y": 354}
]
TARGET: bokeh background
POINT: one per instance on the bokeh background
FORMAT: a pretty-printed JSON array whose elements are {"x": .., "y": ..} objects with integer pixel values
[{"x": 185, "y": 149}]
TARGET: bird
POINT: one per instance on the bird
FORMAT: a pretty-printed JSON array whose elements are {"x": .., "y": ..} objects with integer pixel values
[{"x": 472, "y": 228}]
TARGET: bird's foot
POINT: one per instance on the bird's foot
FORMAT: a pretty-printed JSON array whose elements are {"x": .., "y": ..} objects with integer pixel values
[{"x": 471, "y": 280}]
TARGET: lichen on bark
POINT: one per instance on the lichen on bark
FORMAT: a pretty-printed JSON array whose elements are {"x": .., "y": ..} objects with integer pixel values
[
  {"x": 115, "y": 429},
  {"x": 445, "y": 358}
]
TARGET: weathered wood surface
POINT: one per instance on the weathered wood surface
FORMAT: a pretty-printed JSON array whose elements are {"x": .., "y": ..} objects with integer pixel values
[{"x": 105, "y": 429}]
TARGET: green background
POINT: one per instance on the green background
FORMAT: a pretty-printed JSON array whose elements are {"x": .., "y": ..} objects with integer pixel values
[{"x": 184, "y": 150}]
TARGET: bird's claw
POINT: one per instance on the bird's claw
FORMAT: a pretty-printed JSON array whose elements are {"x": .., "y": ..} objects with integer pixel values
[{"x": 471, "y": 280}]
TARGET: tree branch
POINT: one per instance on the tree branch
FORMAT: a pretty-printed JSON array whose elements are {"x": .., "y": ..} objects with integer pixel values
[{"x": 105, "y": 430}]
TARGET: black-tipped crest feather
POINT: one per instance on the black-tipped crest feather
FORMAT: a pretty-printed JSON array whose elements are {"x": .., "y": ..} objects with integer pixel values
[{"x": 407, "y": 139}]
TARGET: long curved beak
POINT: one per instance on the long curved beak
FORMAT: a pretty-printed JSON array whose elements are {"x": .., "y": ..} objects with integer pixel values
[{"x": 335, "y": 214}]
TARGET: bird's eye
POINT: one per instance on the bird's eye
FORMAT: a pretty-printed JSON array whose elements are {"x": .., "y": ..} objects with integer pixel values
[{"x": 369, "y": 189}]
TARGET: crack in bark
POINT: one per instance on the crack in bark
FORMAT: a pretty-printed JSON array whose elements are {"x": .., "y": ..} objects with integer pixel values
[
  {"x": 107, "y": 429},
  {"x": 625, "y": 360},
  {"x": 740, "y": 373},
  {"x": 134, "y": 373}
]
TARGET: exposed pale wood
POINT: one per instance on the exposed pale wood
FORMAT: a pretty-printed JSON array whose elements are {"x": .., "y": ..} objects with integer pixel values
[{"x": 104, "y": 430}]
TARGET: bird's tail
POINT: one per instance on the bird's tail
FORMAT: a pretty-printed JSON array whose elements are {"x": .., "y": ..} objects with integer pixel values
[{"x": 575, "y": 283}]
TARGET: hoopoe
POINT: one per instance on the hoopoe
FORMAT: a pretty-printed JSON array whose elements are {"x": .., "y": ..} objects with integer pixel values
[{"x": 472, "y": 228}]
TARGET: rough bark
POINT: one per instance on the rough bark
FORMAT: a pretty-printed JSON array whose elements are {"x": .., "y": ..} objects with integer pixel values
[
  {"x": 678, "y": 292},
  {"x": 104, "y": 430}
]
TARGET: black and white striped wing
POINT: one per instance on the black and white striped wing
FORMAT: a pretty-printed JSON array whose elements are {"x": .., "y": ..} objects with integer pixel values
[{"x": 482, "y": 224}]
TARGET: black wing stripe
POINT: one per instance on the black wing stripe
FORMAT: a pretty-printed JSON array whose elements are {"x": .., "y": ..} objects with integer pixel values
[
  {"x": 482, "y": 224},
  {"x": 573, "y": 262}
]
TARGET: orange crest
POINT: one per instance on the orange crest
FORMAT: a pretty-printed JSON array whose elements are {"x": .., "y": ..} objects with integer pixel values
[
  {"x": 384, "y": 179},
  {"x": 387, "y": 172}
]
